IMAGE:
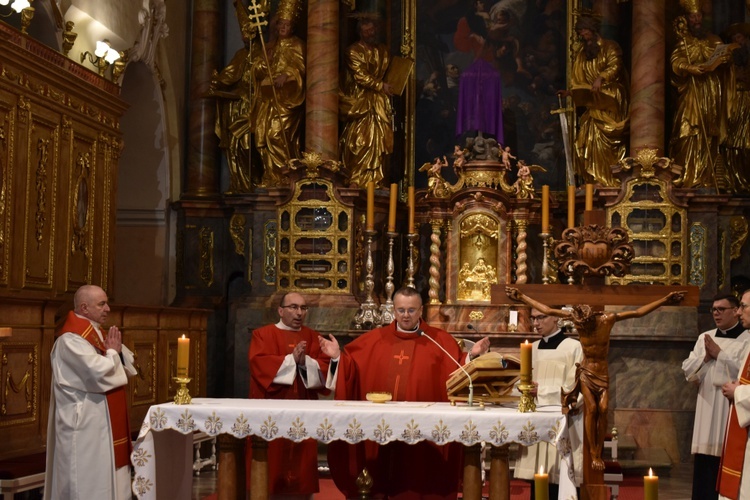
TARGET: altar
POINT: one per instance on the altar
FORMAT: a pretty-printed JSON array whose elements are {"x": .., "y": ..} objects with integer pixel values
[{"x": 162, "y": 454}]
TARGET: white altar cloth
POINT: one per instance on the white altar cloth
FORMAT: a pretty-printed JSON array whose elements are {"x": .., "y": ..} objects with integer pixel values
[{"x": 350, "y": 421}]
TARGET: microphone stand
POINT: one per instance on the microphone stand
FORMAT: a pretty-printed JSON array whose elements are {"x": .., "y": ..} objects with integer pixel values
[{"x": 470, "y": 402}]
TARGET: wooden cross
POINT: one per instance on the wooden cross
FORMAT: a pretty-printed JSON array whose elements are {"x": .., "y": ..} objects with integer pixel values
[{"x": 596, "y": 296}]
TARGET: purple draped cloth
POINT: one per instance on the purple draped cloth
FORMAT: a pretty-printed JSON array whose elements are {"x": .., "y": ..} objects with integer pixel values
[{"x": 480, "y": 101}]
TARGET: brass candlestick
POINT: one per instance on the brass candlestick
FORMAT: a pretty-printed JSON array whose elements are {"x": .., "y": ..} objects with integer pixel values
[
  {"x": 368, "y": 310},
  {"x": 183, "y": 395},
  {"x": 386, "y": 310},
  {"x": 411, "y": 269},
  {"x": 545, "y": 262},
  {"x": 526, "y": 403}
]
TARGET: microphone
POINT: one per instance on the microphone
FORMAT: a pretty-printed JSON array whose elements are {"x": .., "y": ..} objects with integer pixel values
[{"x": 470, "y": 402}]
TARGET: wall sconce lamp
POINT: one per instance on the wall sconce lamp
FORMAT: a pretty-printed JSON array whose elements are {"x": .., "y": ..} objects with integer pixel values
[
  {"x": 104, "y": 55},
  {"x": 25, "y": 9}
]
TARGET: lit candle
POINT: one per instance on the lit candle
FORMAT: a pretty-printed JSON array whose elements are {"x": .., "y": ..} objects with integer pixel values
[
  {"x": 545, "y": 209},
  {"x": 526, "y": 362},
  {"x": 392, "y": 209},
  {"x": 410, "y": 200},
  {"x": 541, "y": 485},
  {"x": 589, "y": 196},
  {"x": 571, "y": 206},
  {"x": 513, "y": 318},
  {"x": 370, "y": 206},
  {"x": 651, "y": 486},
  {"x": 183, "y": 356}
]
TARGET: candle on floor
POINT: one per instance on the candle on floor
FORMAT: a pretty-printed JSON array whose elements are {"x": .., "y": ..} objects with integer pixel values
[
  {"x": 651, "y": 486},
  {"x": 183, "y": 356},
  {"x": 541, "y": 485}
]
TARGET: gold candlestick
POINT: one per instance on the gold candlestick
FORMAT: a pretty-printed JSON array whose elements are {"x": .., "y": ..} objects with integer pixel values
[
  {"x": 183, "y": 395},
  {"x": 368, "y": 310},
  {"x": 545, "y": 258},
  {"x": 411, "y": 269},
  {"x": 387, "y": 314},
  {"x": 526, "y": 403}
]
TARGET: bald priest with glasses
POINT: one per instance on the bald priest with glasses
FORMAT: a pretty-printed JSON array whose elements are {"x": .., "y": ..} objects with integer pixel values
[
  {"x": 398, "y": 358},
  {"x": 715, "y": 359},
  {"x": 286, "y": 362}
]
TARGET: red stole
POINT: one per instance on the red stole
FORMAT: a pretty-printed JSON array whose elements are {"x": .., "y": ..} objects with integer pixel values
[
  {"x": 735, "y": 441},
  {"x": 116, "y": 398}
]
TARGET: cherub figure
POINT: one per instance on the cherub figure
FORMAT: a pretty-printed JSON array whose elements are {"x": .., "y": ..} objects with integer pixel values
[
  {"x": 507, "y": 157},
  {"x": 436, "y": 185},
  {"x": 459, "y": 158},
  {"x": 437, "y": 165},
  {"x": 524, "y": 185}
]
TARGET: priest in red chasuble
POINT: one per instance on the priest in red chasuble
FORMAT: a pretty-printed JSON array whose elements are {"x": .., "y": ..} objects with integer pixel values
[
  {"x": 286, "y": 362},
  {"x": 398, "y": 359}
]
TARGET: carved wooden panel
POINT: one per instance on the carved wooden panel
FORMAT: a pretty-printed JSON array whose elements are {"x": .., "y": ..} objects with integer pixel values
[
  {"x": 19, "y": 383},
  {"x": 39, "y": 154},
  {"x": 7, "y": 124}
]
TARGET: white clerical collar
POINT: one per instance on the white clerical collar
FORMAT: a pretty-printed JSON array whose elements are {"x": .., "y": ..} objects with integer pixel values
[
  {"x": 546, "y": 339},
  {"x": 416, "y": 328},
  {"x": 281, "y": 326}
]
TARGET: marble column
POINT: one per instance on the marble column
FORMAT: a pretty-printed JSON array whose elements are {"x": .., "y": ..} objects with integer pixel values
[
  {"x": 647, "y": 76},
  {"x": 322, "y": 102},
  {"x": 202, "y": 172}
]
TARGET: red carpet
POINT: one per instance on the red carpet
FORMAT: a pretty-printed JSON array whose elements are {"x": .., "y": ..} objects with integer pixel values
[{"x": 630, "y": 489}]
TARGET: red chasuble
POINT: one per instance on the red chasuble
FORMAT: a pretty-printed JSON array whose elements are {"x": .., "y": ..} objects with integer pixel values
[
  {"x": 116, "y": 398},
  {"x": 292, "y": 467},
  {"x": 735, "y": 441},
  {"x": 412, "y": 369}
]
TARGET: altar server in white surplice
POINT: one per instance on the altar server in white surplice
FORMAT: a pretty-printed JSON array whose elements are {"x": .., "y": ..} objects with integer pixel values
[
  {"x": 554, "y": 359},
  {"x": 715, "y": 360}
]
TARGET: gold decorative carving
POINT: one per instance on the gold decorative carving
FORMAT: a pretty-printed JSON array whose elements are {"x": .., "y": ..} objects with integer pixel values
[
  {"x": 315, "y": 231},
  {"x": 81, "y": 195},
  {"x": 19, "y": 377},
  {"x": 594, "y": 251},
  {"x": 42, "y": 149},
  {"x": 236, "y": 231},
  {"x": 476, "y": 315},
  {"x": 478, "y": 242},
  {"x": 738, "y": 230},
  {"x": 434, "y": 281},
  {"x": 657, "y": 229},
  {"x": 647, "y": 159},
  {"x": 698, "y": 242},
  {"x": 269, "y": 252},
  {"x": 313, "y": 161},
  {"x": 206, "y": 252}
]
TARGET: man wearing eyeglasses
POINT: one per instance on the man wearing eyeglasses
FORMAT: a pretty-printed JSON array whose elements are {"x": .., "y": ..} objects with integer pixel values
[
  {"x": 714, "y": 360},
  {"x": 397, "y": 358},
  {"x": 553, "y": 361},
  {"x": 286, "y": 362},
  {"x": 734, "y": 471}
]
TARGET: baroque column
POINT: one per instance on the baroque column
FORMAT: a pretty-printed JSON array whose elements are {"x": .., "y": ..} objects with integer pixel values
[
  {"x": 322, "y": 106},
  {"x": 647, "y": 80},
  {"x": 202, "y": 173}
]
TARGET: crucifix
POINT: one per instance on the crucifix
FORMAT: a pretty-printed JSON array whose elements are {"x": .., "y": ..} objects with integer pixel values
[{"x": 593, "y": 252}]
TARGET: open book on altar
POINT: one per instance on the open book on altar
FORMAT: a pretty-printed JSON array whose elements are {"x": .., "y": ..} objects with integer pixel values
[
  {"x": 717, "y": 57},
  {"x": 494, "y": 376},
  {"x": 584, "y": 97},
  {"x": 397, "y": 74}
]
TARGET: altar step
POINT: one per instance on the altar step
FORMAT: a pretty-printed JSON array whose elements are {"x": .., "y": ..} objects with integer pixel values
[{"x": 644, "y": 458}]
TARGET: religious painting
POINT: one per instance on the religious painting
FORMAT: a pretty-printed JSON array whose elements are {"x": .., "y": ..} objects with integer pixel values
[{"x": 494, "y": 66}]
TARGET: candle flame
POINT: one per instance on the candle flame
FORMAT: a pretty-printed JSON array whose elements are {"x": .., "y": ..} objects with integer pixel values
[
  {"x": 541, "y": 469},
  {"x": 527, "y": 341},
  {"x": 650, "y": 472},
  {"x": 183, "y": 335}
]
